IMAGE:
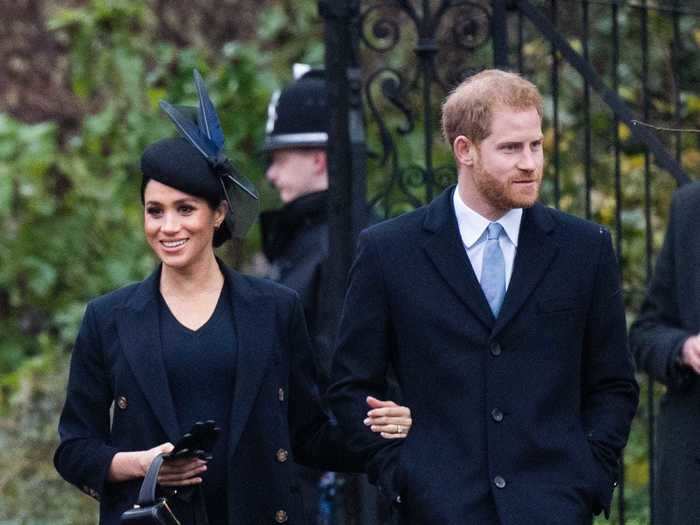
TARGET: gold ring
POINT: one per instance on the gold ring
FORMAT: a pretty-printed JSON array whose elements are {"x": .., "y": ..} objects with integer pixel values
[{"x": 399, "y": 429}]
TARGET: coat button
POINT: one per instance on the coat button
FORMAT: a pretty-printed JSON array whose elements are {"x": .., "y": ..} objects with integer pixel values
[
  {"x": 282, "y": 455},
  {"x": 495, "y": 349},
  {"x": 497, "y": 415},
  {"x": 280, "y": 394},
  {"x": 122, "y": 402},
  {"x": 499, "y": 482},
  {"x": 281, "y": 516}
]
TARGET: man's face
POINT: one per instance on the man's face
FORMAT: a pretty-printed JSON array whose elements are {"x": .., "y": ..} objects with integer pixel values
[
  {"x": 508, "y": 164},
  {"x": 296, "y": 172}
]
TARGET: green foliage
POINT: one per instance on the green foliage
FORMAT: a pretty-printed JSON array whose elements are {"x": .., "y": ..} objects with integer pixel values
[
  {"x": 70, "y": 213},
  {"x": 71, "y": 217}
]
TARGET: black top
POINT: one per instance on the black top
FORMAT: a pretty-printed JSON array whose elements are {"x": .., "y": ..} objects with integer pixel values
[{"x": 201, "y": 365}]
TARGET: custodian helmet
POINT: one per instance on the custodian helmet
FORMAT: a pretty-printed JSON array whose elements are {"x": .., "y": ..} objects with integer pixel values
[{"x": 298, "y": 115}]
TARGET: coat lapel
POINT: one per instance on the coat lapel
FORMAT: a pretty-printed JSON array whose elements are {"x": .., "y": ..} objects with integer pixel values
[
  {"x": 139, "y": 333},
  {"x": 254, "y": 317},
  {"x": 536, "y": 251},
  {"x": 445, "y": 249}
]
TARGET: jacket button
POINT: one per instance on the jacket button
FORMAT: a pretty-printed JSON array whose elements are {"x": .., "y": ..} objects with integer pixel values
[
  {"x": 122, "y": 402},
  {"x": 280, "y": 394},
  {"x": 499, "y": 482},
  {"x": 495, "y": 349},
  {"x": 281, "y": 516},
  {"x": 497, "y": 415},
  {"x": 282, "y": 455}
]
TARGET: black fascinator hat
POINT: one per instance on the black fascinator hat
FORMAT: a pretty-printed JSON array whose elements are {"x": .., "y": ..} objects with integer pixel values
[{"x": 196, "y": 164}]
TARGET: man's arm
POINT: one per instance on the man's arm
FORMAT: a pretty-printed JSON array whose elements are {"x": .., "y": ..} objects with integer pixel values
[
  {"x": 657, "y": 336},
  {"x": 362, "y": 357},
  {"x": 610, "y": 392}
]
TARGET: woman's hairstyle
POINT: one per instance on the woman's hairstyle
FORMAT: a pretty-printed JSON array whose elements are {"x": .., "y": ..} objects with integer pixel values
[{"x": 468, "y": 109}]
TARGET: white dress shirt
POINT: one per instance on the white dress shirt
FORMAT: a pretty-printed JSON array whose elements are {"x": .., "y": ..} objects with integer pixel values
[{"x": 472, "y": 229}]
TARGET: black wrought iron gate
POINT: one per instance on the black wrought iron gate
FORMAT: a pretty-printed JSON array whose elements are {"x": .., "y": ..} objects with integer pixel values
[{"x": 601, "y": 64}]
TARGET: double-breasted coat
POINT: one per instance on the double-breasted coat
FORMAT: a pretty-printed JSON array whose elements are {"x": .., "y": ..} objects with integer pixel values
[
  {"x": 275, "y": 418},
  {"x": 669, "y": 315},
  {"x": 519, "y": 419}
]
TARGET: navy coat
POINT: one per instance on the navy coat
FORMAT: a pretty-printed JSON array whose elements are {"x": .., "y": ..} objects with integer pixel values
[
  {"x": 276, "y": 418},
  {"x": 523, "y": 416},
  {"x": 670, "y": 315}
]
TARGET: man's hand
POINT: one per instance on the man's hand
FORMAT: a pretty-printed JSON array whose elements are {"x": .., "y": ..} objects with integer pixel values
[
  {"x": 690, "y": 353},
  {"x": 389, "y": 419}
]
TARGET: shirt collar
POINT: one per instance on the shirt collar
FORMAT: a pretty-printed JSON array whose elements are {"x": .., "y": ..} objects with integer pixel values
[{"x": 472, "y": 225}]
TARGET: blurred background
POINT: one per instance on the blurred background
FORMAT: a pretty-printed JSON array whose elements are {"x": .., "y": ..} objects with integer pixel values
[{"x": 80, "y": 83}]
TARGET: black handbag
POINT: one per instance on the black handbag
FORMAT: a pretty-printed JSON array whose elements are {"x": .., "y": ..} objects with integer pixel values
[{"x": 147, "y": 510}]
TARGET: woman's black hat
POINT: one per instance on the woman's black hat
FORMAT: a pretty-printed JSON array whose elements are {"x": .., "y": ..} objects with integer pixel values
[
  {"x": 196, "y": 163},
  {"x": 176, "y": 163}
]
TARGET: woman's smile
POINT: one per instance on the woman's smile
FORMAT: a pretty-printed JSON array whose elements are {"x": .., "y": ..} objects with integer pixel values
[{"x": 174, "y": 245}]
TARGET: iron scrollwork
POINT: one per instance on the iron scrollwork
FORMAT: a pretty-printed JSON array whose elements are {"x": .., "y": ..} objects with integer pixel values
[{"x": 414, "y": 52}]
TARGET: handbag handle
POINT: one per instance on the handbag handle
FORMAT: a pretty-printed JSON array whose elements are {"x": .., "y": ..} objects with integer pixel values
[{"x": 147, "y": 494}]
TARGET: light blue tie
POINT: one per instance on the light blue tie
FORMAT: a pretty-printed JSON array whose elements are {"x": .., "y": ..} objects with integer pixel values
[{"x": 493, "y": 269}]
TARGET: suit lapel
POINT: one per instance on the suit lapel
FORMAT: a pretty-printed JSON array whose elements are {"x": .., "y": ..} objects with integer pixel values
[
  {"x": 139, "y": 332},
  {"x": 445, "y": 249},
  {"x": 254, "y": 317},
  {"x": 536, "y": 251}
]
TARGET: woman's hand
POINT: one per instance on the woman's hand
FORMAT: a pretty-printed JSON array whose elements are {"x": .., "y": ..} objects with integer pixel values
[
  {"x": 387, "y": 418},
  {"x": 173, "y": 473},
  {"x": 181, "y": 472}
]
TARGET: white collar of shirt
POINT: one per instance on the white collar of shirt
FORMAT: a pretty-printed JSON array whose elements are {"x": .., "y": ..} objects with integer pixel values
[{"x": 472, "y": 225}]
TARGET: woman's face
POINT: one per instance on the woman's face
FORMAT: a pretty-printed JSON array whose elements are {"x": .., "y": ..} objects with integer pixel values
[{"x": 179, "y": 226}]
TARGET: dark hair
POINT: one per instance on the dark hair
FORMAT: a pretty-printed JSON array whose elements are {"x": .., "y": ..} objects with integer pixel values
[{"x": 221, "y": 234}]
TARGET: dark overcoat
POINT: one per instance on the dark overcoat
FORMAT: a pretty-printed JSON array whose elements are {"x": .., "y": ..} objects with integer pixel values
[
  {"x": 670, "y": 314},
  {"x": 276, "y": 418},
  {"x": 523, "y": 416},
  {"x": 295, "y": 243}
]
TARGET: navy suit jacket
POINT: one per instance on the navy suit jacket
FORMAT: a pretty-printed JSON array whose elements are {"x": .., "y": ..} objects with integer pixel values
[
  {"x": 276, "y": 418},
  {"x": 525, "y": 414}
]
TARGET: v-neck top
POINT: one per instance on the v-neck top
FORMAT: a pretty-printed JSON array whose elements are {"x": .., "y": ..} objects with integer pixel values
[{"x": 201, "y": 369}]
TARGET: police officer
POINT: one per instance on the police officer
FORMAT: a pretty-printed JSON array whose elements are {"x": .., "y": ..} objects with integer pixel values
[{"x": 295, "y": 237}]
